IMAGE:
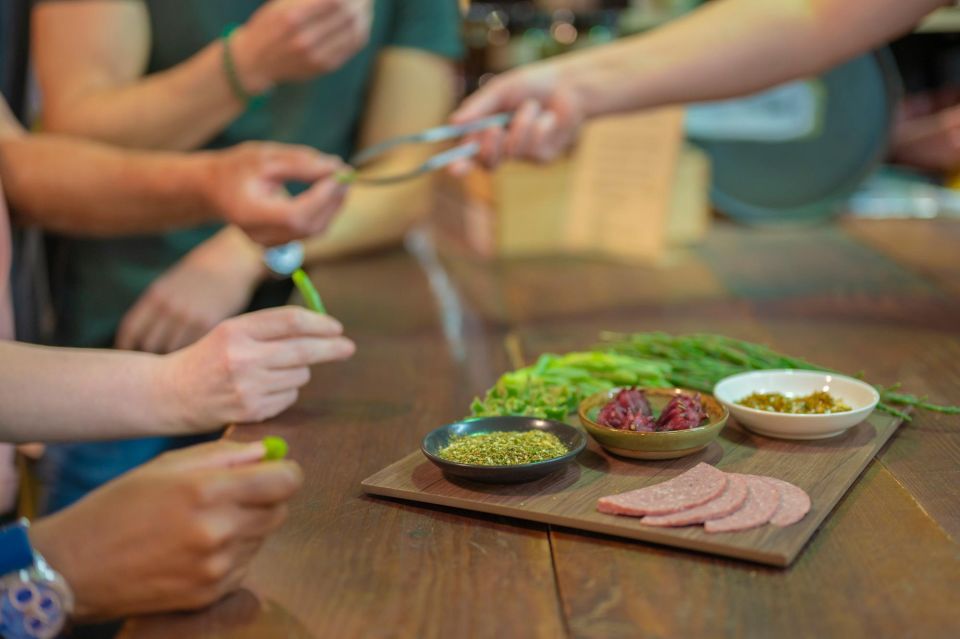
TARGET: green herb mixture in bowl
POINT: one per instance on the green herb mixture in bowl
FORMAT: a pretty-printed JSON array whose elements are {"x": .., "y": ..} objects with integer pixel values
[{"x": 503, "y": 449}]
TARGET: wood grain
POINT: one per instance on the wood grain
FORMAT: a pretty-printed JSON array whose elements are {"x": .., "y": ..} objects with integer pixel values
[
  {"x": 884, "y": 564},
  {"x": 857, "y": 576},
  {"x": 346, "y": 565},
  {"x": 824, "y": 468},
  {"x": 877, "y": 568},
  {"x": 925, "y": 452},
  {"x": 928, "y": 248}
]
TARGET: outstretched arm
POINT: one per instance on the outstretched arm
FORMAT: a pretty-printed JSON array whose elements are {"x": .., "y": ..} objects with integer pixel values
[
  {"x": 247, "y": 369},
  {"x": 81, "y": 187},
  {"x": 727, "y": 48}
]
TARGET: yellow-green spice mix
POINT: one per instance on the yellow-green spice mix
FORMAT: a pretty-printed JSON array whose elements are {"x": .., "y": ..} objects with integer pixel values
[
  {"x": 503, "y": 448},
  {"x": 816, "y": 403}
]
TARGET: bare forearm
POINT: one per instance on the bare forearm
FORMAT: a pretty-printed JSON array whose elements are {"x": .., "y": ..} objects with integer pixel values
[
  {"x": 180, "y": 109},
  {"x": 412, "y": 90},
  {"x": 53, "y": 395},
  {"x": 74, "y": 186},
  {"x": 9, "y": 126},
  {"x": 733, "y": 47},
  {"x": 373, "y": 218}
]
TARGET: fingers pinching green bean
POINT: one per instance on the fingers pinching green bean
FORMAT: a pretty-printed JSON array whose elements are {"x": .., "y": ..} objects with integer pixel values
[
  {"x": 276, "y": 448},
  {"x": 308, "y": 291}
]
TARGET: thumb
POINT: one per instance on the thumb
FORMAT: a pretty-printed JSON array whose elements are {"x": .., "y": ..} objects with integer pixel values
[
  {"x": 319, "y": 203},
  {"x": 215, "y": 455},
  {"x": 488, "y": 100}
]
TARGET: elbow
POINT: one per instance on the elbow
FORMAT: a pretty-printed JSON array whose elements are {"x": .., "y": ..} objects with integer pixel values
[
  {"x": 76, "y": 116},
  {"x": 56, "y": 119}
]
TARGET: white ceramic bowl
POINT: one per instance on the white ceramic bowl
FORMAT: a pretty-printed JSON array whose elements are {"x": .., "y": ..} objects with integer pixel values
[{"x": 859, "y": 396}]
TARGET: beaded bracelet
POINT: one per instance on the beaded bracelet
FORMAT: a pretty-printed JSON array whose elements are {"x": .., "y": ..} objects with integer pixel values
[{"x": 230, "y": 71}]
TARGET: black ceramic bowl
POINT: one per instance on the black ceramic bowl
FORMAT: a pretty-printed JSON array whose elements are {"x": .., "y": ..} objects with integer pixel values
[{"x": 572, "y": 438}]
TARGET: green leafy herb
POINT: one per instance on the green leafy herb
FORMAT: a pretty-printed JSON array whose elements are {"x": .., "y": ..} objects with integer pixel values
[
  {"x": 554, "y": 386},
  {"x": 700, "y": 360}
]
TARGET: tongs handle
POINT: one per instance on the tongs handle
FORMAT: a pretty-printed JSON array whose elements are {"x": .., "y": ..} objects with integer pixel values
[{"x": 429, "y": 136}]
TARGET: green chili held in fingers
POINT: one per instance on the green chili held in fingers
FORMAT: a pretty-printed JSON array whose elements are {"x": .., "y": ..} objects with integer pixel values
[
  {"x": 307, "y": 290},
  {"x": 276, "y": 448},
  {"x": 347, "y": 176}
]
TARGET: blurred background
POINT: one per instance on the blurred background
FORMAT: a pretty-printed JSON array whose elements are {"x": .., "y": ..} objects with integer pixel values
[{"x": 879, "y": 137}]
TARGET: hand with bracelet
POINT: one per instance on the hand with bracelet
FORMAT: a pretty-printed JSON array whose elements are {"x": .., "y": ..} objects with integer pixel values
[
  {"x": 184, "y": 107},
  {"x": 294, "y": 40}
]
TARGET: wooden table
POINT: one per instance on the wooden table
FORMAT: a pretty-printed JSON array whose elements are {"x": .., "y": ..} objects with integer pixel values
[{"x": 435, "y": 327}]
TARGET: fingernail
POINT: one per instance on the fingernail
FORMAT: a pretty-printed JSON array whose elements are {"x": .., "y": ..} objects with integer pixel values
[{"x": 335, "y": 324}]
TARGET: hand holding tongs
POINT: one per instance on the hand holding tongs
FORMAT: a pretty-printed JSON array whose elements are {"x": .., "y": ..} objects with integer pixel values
[{"x": 284, "y": 260}]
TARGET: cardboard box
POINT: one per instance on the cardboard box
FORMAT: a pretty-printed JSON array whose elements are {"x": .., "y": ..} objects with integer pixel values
[{"x": 631, "y": 190}]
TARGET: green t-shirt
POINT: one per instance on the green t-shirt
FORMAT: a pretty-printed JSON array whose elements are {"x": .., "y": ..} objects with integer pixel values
[{"x": 99, "y": 280}]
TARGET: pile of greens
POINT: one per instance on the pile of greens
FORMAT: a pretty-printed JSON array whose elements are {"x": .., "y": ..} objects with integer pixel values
[
  {"x": 701, "y": 360},
  {"x": 554, "y": 386}
]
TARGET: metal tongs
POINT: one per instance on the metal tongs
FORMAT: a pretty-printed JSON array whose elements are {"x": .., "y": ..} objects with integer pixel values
[
  {"x": 284, "y": 260},
  {"x": 430, "y": 136}
]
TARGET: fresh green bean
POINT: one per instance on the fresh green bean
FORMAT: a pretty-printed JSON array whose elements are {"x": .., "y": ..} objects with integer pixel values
[{"x": 307, "y": 290}]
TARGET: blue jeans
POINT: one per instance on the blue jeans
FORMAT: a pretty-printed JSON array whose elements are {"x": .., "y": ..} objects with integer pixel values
[{"x": 70, "y": 471}]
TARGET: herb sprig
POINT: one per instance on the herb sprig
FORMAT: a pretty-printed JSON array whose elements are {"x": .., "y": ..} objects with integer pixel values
[{"x": 700, "y": 360}]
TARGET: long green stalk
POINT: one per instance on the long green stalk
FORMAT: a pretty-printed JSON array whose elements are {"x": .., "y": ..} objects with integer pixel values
[
  {"x": 308, "y": 291},
  {"x": 700, "y": 360}
]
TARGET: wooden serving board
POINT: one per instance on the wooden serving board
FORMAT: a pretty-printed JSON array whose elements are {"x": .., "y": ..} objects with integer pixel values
[{"x": 824, "y": 468}]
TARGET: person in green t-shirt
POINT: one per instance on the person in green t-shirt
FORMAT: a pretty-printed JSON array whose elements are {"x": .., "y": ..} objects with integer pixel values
[{"x": 336, "y": 75}]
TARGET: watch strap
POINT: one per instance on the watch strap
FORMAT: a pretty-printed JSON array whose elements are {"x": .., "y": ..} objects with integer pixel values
[{"x": 15, "y": 550}]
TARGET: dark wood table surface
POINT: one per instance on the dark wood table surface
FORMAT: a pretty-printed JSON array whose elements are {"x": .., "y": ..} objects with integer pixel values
[{"x": 435, "y": 326}]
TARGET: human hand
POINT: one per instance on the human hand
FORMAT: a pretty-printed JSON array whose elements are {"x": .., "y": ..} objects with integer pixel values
[
  {"x": 250, "y": 368},
  {"x": 177, "y": 533},
  {"x": 211, "y": 283},
  {"x": 291, "y": 40},
  {"x": 927, "y": 132},
  {"x": 245, "y": 184},
  {"x": 547, "y": 116}
]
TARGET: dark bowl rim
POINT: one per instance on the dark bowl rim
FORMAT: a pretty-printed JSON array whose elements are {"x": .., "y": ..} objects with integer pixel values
[
  {"x": 582, "y": 414},
  {"x": 569, "y": 456}
]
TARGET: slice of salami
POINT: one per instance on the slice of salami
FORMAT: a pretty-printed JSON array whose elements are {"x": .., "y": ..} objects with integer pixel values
[
  {"x": 728, "y": 502},
  {"x": 696, "y": 486},
  {"x": 763, "y": 499},
  {"x": 794, "y": 503}
]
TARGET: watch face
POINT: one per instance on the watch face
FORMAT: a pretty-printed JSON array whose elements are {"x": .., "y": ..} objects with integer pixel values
[
  {"x": 285, "y": 259},
  {"x": 31, "y": 609}
]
